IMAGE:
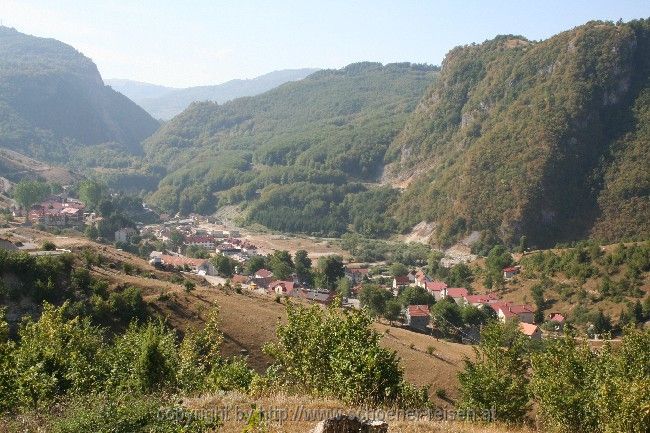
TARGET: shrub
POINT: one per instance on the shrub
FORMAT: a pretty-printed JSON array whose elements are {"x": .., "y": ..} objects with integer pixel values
[{"x": 337, "y": 353}]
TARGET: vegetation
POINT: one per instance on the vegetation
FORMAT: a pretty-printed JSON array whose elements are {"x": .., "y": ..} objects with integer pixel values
[{"x": 533, "y": 138}]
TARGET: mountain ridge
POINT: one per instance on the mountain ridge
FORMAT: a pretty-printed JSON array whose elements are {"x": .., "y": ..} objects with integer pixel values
[{"x": 165, "y": 102}]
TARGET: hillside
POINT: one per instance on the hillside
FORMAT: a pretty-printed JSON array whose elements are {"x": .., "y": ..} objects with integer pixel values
[
  {"x": 53, "y": 101},
  {"x": 544, "y": 139},
  {"x": 166, "y": 102},
  {"x": 306, "y": 146}
]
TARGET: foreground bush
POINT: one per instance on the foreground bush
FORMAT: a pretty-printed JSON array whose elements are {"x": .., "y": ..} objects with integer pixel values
[{"x": 337, "y": 354}]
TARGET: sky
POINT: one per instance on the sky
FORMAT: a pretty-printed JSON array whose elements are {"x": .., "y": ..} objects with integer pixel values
[{"x": 200, "y": 42}]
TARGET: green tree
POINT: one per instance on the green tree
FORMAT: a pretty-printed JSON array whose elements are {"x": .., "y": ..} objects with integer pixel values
[
  {"x": 255, "y": 263},
  {"x": 30, "y": 192},
  {"x": 392, "y": 310},
  {"x": 460, "y": 275},
  {"x": 446, "y": 316},
  {"x": 398, "y": 269},
  {"x": 223, "y": 265},
  {"x": 335, "y": 353},
  {"x": 332, "y": 269},
  {"x": 281, "y": 265},
  {"x": 413, "y": 295},
  {"x": 91, "y": 192},
  {"x": 374, "y": 298},
  {"x": 344, "y": 287},
  {"x": 303, "y": 264},
  {"x": 497, "y": 377}
]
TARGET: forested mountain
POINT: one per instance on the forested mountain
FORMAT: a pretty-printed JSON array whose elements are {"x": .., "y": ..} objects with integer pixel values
[
  {"x": 53, "y": 101},
  {"x": 548, "y": 139},
  {"x": 295, "y": 152},
  {"x": 165, "y": 102}
]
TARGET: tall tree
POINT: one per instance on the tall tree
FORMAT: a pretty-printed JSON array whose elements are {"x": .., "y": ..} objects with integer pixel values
[{"x": 332, "y": 269}]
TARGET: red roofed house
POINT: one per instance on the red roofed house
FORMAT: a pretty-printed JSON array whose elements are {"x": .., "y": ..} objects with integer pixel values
[
  {"x": 417, "y": 317},
  {"x": 400, "y": 282},
  {"x": 420, "y": 279},
  {"x": 531, "y": 331},
  {"x": 436, "y": 288},
  {"x": 239, "y": 279},
  {"x": 478, "y": 300},
  {"x": 510, "y": 272},
  {"x": 206, "y": 242},
  {"x": 557, "y": 320},
  {"x": 263, "y": 273},
  {"x": 507, "y": 311},
  {"x": 284, "y": 288},
  {"x": 456, "y": 293},
  {"x": 321, "y": 297}
]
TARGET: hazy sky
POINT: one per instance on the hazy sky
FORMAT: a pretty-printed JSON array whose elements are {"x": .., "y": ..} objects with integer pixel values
[{"x": 182, "y": 43}]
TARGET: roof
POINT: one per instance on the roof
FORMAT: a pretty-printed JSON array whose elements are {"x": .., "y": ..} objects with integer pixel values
[
  {"x": 402, "y": 280},
  {"x": 511, "y": 310},
  {"x": 317, "y": 296},
  {"x": 200, "y": 239},
  {"x": 287, "y": 286},
  {"x": 510, "y": 269},
  {"x": 457, "y": 292},
  {"x": 528, "y": 328},
  {"x": 557, "y": 317},
  {"x": 263, "y": 273},
  {"x": 418, "y": 310},
  {"x": 181, "y": 261},
  {"x": 435, "y": 286},
  {"x": 239, "y": 279}
]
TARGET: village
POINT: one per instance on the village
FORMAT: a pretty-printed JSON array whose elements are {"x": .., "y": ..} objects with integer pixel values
[{"x": 180, "y": 236}]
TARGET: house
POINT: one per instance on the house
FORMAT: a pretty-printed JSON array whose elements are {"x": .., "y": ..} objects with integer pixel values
[
  {"x": 124, "y": 234},
  {"x": 456, "y": 293},
  {"x": 478, "y": 300},
  {"x": 206, "y": 242},
  {"x": 284, "y": 288},
  {"x": 435, "y": 288},
  {"x": 263, "y": 273},
  {"x": 531, "y": 331},
  {"x": 356, "y": 275},
  {"x": 239, "y": 279},
  {"x": 510, "y": 272},
  {"x": 319, "y": 296},
  {"x": 417, "y": 317},
  {"x": 200, "y": 266},
  {"x": 400, "y": 282},
  {"x": 507, "y": 311}
]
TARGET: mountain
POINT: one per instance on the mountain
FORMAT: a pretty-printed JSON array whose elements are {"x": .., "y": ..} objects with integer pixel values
[
  {"x": 53, "y": 102},
  {"x": 137, "y": 90},
  {"x": 548, "y": 140},
  {"x": 165, "y": 102},
  {"x": 293, "y": 154}
]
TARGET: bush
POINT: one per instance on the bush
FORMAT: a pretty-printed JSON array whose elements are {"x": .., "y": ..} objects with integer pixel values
[
  {"x": 337, "y": 353},
  {"x": 497, "y": 378}
]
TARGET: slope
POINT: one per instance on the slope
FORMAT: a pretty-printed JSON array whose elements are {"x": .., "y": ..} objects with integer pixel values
[
  {"x": 544, "y": 139},
  {"x": 294, "y": 153},
  {"x": 53, "y": 101}
]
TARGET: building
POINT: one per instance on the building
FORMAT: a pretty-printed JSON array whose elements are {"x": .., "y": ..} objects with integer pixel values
[
  {"x": 283, "y": 288},
  {"x": 507, "y": 311},
  {"x": 239, "y": 279},
  {"x": 556, "y": 320},
  {"x": 456, "y": 293},
  {"x": 400, "y": 282},
  {"x": 531, "y": 331},
  {"x": 57, "y": 212},
  {"x": 510, "y": 272},
  {"x": 417, "y": 317},
  {"x": 124, "y": 234},
  {"x": 356, "y": 275},
  {"x": 436, "y": 288},
  {"x": 206, "y": 242},
  {"x": 319, "y": 296},
  {"x": 479, "y": 300}
]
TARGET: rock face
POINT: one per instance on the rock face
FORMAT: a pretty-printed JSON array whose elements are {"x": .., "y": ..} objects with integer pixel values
[{"x": 350, "y": 424}]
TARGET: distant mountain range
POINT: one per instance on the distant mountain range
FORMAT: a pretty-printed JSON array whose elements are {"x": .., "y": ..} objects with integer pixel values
[
  {"x": 53, "y": 102},
  {"x": 166, "y": 102}
]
